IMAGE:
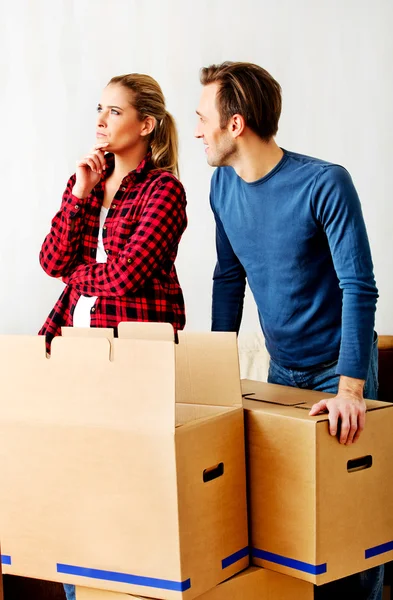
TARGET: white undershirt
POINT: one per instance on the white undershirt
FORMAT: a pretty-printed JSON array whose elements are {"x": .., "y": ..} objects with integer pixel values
[{"x": 84, "y": 305}]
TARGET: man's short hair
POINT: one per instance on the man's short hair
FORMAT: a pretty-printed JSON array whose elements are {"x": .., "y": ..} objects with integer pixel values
[{"x": 248, "y": 90}]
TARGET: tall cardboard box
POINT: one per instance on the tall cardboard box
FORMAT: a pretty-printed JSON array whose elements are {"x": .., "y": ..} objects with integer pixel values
[
  {"x": 106, "y": 481},
  {"x": 251, "y": 584},
  {"x": 319, "y": 510}
]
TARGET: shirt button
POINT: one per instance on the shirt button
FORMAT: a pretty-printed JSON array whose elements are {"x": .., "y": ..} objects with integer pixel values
[
  {"x": 76, "y": 206},
  {"x": 104, "y": 227},
  {"x": 113, "y": 206},
  {"x": 129, "y": 260},
  {"x": 123, "y": 189},
  {"x": 93, "y": 309}
]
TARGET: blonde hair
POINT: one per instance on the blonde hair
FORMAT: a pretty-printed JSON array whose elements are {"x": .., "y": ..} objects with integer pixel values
[{"x": 148, "y": 100}]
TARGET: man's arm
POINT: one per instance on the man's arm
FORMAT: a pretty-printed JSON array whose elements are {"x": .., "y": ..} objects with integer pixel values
[
  {"x": 229, "y": 282},
  {"x": 337, "y": 208}
]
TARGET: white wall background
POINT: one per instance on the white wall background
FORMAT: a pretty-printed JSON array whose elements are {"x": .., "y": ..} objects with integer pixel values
[{"x": 333, "y": 60}]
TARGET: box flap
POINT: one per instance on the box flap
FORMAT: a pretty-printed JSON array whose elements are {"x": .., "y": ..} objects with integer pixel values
[
  {"x": 258, "y": 395},
  {"x": 207, "y": 369},
  {"x": 272, "y": 393},
  {"x": 207, "y": 364},
  {"x": 88, "y": 332},
  {"x": 137, "y": 330},
  {"x": 249, "y": 386},
  {"x": 377, "y": 404},
  {"x": 290, "y": 396},
  {"x": 370, "y": 404},
  {"x": 79, "y": 384}
]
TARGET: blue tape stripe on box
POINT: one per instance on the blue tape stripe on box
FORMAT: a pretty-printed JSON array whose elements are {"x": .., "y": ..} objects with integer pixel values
[
  {"x": 290, "y": 562},
  {"x": 5, "y": 559},
  {"x": 164, "y": 584},
  {"x": 230, "y": 560},
  {"x": 381, "y": 549}
]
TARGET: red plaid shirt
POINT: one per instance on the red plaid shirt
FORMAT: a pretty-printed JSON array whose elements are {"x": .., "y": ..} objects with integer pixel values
[{"x": 141, "y": 235}]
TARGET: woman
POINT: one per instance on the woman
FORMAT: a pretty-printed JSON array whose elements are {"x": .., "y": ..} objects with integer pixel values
[{"x": 115, "y": 239}]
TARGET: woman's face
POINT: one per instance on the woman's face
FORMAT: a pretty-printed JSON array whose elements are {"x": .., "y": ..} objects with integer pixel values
[{"x": 117, "y": 121}]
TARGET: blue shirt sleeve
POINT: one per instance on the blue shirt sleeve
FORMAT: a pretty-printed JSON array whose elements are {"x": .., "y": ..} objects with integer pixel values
[
  {"x": 337, "y": 208},
  {"x": 229, "y": 282}
]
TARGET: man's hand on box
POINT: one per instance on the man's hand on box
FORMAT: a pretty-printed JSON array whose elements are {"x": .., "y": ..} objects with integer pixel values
[{"x": 347, "y": 410}]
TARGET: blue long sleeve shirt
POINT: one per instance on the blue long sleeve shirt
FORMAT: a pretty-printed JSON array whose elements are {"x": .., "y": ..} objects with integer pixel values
[{"x": 298, "y": 236}]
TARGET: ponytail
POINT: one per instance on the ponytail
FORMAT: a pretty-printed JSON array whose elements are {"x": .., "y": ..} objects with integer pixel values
[{"x": 164, "y": 145}]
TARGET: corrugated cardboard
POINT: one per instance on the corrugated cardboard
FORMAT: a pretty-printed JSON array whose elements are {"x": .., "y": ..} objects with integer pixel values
[
  {"x": 102, "y": 485},
  {"x": 88, "y": 332},
  {"x": 319, "y": 510},
  {"x": 251, "y": 584}
]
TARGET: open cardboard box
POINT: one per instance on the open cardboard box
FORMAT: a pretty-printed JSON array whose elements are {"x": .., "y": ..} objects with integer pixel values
[
  {"x": 252, "y": 584},
  {"x": 319, "y": 510},
  {"x": 106, "y": 482}
]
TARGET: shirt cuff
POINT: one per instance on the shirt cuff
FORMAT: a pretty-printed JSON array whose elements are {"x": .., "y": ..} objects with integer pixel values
[{"x": 72, "y": 206}]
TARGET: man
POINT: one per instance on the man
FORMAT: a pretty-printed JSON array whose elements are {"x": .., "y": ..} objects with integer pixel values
[{"x": 292, "y": 226}]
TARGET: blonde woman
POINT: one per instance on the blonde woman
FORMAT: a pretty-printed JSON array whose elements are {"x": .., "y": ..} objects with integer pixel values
[{"x": 115, "y": 238}]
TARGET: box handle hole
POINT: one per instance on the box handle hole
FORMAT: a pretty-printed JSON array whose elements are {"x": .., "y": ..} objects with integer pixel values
[
  {"x": 359, "y": 464},
  {"x": 213, "y": 472}
]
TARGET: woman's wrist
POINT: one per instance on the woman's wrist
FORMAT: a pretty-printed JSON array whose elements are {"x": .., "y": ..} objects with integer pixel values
[{"x": 79, "y": 192}]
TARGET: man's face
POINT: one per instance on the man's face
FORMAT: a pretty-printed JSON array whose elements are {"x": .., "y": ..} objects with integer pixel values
[{"x": 220, "y": 146}]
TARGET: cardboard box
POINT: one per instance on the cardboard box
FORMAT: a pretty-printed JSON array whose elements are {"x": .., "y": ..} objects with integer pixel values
[
  {"x": 252, "y": 584},
  {"x": 102, "y": 485},
  {"x": 319, "y": 510}
]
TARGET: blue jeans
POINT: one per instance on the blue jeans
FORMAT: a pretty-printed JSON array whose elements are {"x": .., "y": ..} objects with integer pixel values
[
  {"x": 69, "y": 591},
  {"x": 323, "y": 378},
  {"x": 367, "y": 585}
]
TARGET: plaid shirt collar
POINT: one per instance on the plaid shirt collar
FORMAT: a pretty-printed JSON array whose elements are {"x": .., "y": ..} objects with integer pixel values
[{"x": 138, "y": 174}]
